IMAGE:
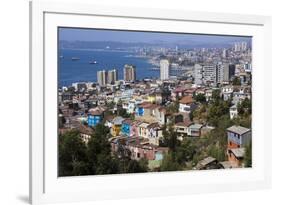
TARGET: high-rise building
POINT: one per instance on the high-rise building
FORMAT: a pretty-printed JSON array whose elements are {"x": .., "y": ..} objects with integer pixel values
[
  {"x": 112, "y": 76},
  {"x": 240, "y": 46},
  {"x": 198, "y": 74},
  {"x": 225, "y": 72},
  {"x": 102, "y": 77},
  {"x": 210, "y": 74},
  {"x": 164, "y": 69},
  {"x": 129, "y": 73},
  {"x": 220, "y": 71},
  {"x": 224, "y": 53},
  {"x": 213, "y": 74},
  {"x": 244, "y": 46}
]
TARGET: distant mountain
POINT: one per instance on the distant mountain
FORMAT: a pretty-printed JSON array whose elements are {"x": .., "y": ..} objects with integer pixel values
[{"x": 187, "y": 44}]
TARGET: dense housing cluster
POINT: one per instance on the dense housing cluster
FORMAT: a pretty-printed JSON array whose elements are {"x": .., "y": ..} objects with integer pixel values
[{"x": 200, "y": 119}]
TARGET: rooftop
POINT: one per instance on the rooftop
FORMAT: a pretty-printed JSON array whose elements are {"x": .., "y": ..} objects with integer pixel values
[
  {"x": 186, "y": 100},
  {"x": 238, "y": 129},
  {"x": 117, "y": 120},
  {"x": 184, "y": 124},
  {"x": 196, "y": 126},
  {"x": 238, "y": 152},
  {"x": 205, "y": 162},
  {"x": 228, "y": 165}
]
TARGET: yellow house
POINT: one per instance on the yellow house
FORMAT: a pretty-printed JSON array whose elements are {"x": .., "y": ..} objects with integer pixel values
[
  {"x": 116, "y": 126},
  {"x": 151, "y": 98}
]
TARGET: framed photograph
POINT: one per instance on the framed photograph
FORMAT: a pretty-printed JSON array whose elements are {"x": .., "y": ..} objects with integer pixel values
[{"x": 131, "y": 102}]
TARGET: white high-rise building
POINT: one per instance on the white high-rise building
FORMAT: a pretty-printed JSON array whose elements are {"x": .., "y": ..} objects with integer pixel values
[
  {"x": 240, "y": 46},
  {"x": 102, "y": 77},
  {"x": 225, "y": 53},
  {"x": 164, "y": 69},
  {"x": 210, "y": 74}
]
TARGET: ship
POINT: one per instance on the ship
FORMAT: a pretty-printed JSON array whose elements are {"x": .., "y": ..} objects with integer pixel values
[
  {"x": 75, "y": 58},
  {"x": 93, "y": 62}
]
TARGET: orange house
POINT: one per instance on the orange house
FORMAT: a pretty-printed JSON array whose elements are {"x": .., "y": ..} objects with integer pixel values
[{"x": 236, "y": 156}]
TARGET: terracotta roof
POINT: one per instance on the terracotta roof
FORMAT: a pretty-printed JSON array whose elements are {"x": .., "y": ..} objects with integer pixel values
[
  {"x": 145, "y": 104},
  {"x": 162, "y": 109},
  {"x": 148, "y": 105},
  {"x": 184, "y": 124},
  {"x": 95, "y": 112},
  {"x": 86, "y": 130},
  {"x": 186, "y": 100},
  {"x": 179, "y": 89},
  {"x": 109, "y": 117}
]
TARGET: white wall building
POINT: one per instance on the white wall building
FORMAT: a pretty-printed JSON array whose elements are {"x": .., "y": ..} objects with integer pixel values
[
  {"x": 164, "y": 69},
  {"x": 233, "y": 112}
]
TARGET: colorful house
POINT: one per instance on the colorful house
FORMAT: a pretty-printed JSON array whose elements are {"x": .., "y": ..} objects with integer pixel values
[
  {"x": 126, "y": 127},
  {"x": 143, "y": 130},
  {"x": 95, "y": 116},
  {"x": 182, "y": 128},
  {"x": 116, "y": 126},
  {"x": 134, "y": 129},
  {"x": 236, "y": 156},
  {"x": 154, "y": 133},
  {"x": 147, "y": 111},
  {"x": 238, "y": 137}
]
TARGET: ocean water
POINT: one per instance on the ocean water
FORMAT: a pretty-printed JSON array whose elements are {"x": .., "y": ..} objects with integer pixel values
[{"x": 81, "y": 71}]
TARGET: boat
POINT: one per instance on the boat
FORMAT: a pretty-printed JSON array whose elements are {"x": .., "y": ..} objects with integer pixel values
[
  {"x": 75, "y": 58},
  {"x": 93, "y": 62}
]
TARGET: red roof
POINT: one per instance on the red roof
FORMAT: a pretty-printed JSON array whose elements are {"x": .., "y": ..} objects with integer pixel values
[{"x": 186, "y": 100}]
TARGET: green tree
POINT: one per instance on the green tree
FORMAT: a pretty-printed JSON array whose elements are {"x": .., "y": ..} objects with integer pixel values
[
  {"x": 236, "y": 81},
  {"x": 170, "y": 138},
  {"x": 99, "y": 152},
  {"x": 248, "y": 156},
  {"x": 72, "y": 154},
  {"x": 245, "y": 107},
  {"x": 217, "y": 152},
  {"x": 200, "y": 98},
  {"x": 169, "y": 164},
  {"x": 173, "y": 107},
  {"x": 123, "y": 113},
  {"x": 216, "y": 97}
]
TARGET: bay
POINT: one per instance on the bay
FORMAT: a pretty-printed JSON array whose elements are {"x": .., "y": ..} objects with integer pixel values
[{"x": 81, "y": 70}]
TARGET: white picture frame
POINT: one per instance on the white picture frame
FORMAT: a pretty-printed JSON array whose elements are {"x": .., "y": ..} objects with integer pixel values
[{"x": 46, "y": 187}]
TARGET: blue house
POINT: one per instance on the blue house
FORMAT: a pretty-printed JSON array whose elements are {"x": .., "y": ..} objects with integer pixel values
[
  {"x": 95, "y": 116},
  {"x": 238, "y": 136},
  {"x": 126, "y": 127},
  {"x": 139, "y": 111}
]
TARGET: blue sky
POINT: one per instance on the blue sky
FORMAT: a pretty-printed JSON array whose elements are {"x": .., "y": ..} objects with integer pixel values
[{"x": 74, "y": 34}]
